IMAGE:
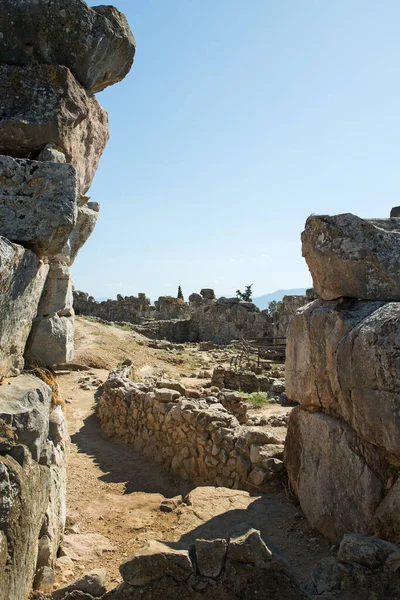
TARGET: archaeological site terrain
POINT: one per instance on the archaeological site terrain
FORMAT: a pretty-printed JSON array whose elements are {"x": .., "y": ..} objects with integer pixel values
[{"x": 182, "y": 450}]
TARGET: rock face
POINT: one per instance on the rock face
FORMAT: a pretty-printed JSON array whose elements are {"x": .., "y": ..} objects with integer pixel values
[
  {"x": 38, "y": 203},
  {"x": 97, "y": 44},
  {"x": 286, "y": 310},
  {"x": 353, "y": 257},
  {"x": 85, "y": 224},
  {"x": 53, "y": 56},
  {"x": 51, "y": 340},
  {"x": 342, "y": 368},
  {"x": 25, "y": 406},
  {"x": 325, "y": 487},
  {"x": 45, "y": 104},
  {"x": 22, "y": 277},
  {"x": 341, "y": 356},
  {"x": 32, "y": 483}
]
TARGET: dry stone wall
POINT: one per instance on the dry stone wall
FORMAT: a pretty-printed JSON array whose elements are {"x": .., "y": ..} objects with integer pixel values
[
  {"x": 342, "y": 368},
  {"x": 199, "y": 439}
]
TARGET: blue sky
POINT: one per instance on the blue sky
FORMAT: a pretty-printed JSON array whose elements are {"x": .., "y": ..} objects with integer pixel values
[{"x": 238, "y": 120}]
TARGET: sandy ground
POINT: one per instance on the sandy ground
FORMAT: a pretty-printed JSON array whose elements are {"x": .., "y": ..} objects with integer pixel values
[{"x": 117, "y": 493}]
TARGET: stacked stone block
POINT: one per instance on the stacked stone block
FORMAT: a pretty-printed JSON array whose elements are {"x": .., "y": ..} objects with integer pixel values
[
  {"x": 342, "y": 451},
  {"x": 53, "y": 57},
  {"x": 52, "y": 135},
  {"x": 199, "y": 439}
]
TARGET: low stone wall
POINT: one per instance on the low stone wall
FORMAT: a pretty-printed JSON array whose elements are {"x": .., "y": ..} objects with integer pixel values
[
  {"x": 248, "y": 381},
  {"x": 196, "y": 438}
]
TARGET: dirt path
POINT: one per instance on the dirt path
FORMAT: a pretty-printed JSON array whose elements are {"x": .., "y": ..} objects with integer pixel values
[
  {"x": 116, "y": 492},
  {"x": 112, "y": 490}
]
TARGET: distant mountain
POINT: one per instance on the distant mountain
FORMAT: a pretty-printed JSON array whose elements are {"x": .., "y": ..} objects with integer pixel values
[{"x": 263, "y": 301}]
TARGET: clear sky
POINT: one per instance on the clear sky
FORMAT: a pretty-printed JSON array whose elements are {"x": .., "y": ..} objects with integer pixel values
[{"x": 238, "y": 120}]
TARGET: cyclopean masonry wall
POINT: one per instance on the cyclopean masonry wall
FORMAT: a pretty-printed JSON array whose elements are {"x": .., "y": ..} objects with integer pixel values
[
  {"x": 52, "y": 135},
  {"x": 53, "y": 57},
  {"x": 197, "y": 438},
  {"x": 204, "y": 319},
  {"x": 342, "y": 450},
  {"x": 125, "y": 308}
]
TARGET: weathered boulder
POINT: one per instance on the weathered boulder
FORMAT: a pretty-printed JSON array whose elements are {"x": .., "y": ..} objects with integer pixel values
[
  {"x": 92, "y": 583},
  {"x": 23, "y": 503},
  {"x": 247, "y": 546},
  {"x": 324, "y": 458},
  {"x": 25, "y": 406},
  {"x": 97, "y": 44},
  {"x": 51, "y": 341},
  {"x": 45, "y": 104},
  {"x": 22, "y": 277},
  {"x": 364, "y": 550},
  {"x": 207, "y": 294},
  {"x": 341, "y": 356},
  {"x": 353, "y": 257},
  {"x": 38, "y": 203},
  {"x": 156, "y": 560},
  {"x": 85, "y": 224}
]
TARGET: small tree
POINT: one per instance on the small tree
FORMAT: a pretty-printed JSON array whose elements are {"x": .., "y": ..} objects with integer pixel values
[
  {"x": 180, "y": 295},
  {"x": 273, "y": 307},
  {"x": 246, "y": 296}
]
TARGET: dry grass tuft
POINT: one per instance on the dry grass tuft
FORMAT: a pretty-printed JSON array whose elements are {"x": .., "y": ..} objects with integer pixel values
[{"x": 48, "y": 377}]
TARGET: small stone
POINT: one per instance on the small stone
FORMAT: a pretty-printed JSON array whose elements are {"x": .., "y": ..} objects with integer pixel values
[{"x": 210, "y": 555}]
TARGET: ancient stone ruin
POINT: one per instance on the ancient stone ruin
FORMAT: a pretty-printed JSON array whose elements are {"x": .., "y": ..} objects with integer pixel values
[
  {"x": 53, "y": 58},
  {"x": 337, "y": 461},
  {"x": 203, "y": 319},
  {"x": 342, "y": 449}
]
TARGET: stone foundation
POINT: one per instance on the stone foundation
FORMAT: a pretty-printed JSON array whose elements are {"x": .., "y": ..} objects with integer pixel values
[{"x": 196, "y": 438}]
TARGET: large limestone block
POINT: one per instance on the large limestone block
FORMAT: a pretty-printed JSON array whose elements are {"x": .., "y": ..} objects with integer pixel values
[
  {"x": 51, "y": 341},
  {"x": 353, "y": 257},
  {"x": 342, "y": 356},
  {"x": 23, "y": 502},
  {"x": 38, "y": 203},
  {"x": 85, "y": 224},
  {"x": 57, "y": 296},
  {"x": 22, "y": 277},
  {"x": 338, "y": 479},
  {"x": 97, "y": 44},
  {"x": 45, "y": 104},
  {"x": 25, "y": 406}
]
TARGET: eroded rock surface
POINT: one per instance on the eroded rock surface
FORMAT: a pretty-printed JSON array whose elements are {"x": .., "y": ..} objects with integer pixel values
[
  {"x": 353, "y": 257},
  {"x": 22, "y": 277},
  {"x": 97, "y": 44},
  {"x": 44, "y": 104},
  {"x": 38, "y": 203}
]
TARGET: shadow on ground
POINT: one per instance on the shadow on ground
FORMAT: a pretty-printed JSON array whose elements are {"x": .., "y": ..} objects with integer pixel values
[{"x": 121, "y": 464}]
